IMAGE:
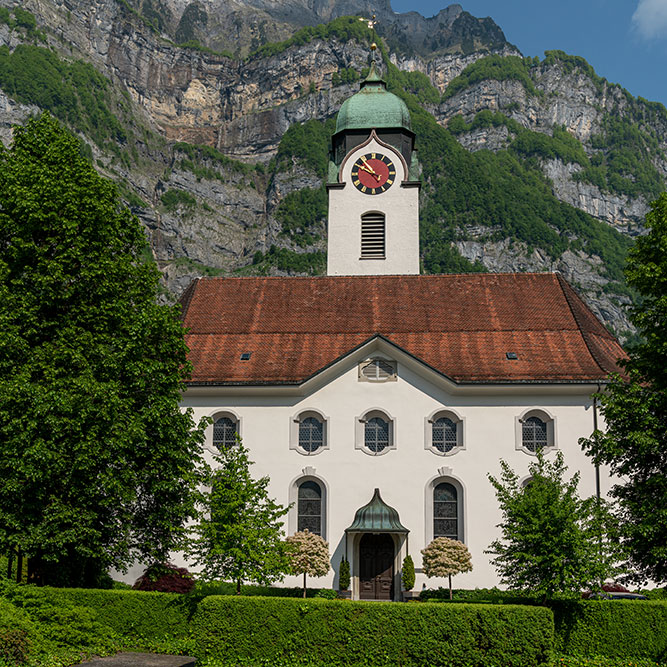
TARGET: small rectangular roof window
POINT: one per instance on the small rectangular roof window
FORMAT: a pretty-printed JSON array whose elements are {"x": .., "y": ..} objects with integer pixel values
[
  {"x": 511, "y": 355},
  {"x": 245, "y": 356}
]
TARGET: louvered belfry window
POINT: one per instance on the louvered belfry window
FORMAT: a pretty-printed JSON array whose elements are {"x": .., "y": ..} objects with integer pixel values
[{"x": 372, "y": 236}]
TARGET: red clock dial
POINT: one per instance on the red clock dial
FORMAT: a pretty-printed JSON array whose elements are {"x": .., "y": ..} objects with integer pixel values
[{"x": 373, "y": 173}]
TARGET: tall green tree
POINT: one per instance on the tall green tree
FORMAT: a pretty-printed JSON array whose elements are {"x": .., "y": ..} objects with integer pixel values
[
  {"x": 239, "y": 534},
  {"x": 551, "y": 540},
  {"x": 634, "y": 444},
  {"x": 99, "y": 466}
]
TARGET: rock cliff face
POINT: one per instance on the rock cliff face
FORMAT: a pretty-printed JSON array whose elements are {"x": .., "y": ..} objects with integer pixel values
[
  {"x": 242, "y": 108},
  {"x": 571, "y": 100}
]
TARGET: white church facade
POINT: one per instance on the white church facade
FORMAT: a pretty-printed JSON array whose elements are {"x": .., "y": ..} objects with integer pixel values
[{"x": 379, "y": 400}]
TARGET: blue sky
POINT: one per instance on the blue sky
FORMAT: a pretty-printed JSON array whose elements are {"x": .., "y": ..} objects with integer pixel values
[{"x": 624, "y": 40}]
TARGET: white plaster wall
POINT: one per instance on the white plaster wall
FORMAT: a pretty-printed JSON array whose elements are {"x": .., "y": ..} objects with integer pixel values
[
  {"x": 399, "y": 204},
  {"x": 403, "y": 474}
]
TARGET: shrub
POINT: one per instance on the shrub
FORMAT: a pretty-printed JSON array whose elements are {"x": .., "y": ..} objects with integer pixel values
[
  {"x": 166, "y": 578},
  {"x": 172, "y": 199},
  {"x": 408, "y": 573},
  {"x": 611, "y": 628},
  {"x": 344, "y": 575},
  {"x": 326, "y": 594},
  {"x": 132, "y": 615},
  {"x": 235, "y": 630},
  {"x": 15, "y": 628}
]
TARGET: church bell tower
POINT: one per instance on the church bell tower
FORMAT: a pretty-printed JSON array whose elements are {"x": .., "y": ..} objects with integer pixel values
[{"x": 373, "y": 225}]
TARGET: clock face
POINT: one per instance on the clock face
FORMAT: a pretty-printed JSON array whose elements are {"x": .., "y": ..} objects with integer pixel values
[{"x": 373, "y": 173}]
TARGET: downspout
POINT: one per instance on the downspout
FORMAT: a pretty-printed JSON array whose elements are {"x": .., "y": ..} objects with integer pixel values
[{"x": 595, "y": 428}]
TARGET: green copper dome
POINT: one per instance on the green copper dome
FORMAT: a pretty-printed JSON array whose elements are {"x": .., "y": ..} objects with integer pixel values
[
  {"x": 373, "y": 107},
  {"x": 376, "y": 517}
]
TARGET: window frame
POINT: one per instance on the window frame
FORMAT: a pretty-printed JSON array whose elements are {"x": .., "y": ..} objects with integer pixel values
[
  {"x": 372, "y": 217},
  {"x": 360, "y": 431},
  {"x": 308, "y": 474},
  {"x": 446, "y": 477},
  {"x": 393, "y": 377},
  {"x": 547, "y": 418},
  {"x": 295, "y": 426},
  {"x": 217, "y": 415},
  {"x": 446, "y": 413}
]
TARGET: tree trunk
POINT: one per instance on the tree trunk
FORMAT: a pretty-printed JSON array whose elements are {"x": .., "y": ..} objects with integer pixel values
[
  {"x": 19, "y": 566},
  {"x": 304, "y": 584},
  {"x": 450, "y": 586},
  {"x": 238, "y": 587},
  {"x": 10, "y": 562}
]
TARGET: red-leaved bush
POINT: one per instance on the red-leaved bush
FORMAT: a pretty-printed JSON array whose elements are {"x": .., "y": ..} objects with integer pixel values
[
  {"x": 614, "y": 588},
  {"x": 166, "y": 578}
]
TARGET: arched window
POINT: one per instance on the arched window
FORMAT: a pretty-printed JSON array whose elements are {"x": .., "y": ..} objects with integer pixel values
[
  {"x": 373, "y": 236},
  {"x": 535, "y": 431},
  {"x": 309, "y": 507},
  {"x": 444, "y": 433},
  {"x": 534, "y": 434},
  {"x": 311, "y": 434},
  {"x": 376, "y": 434},
  {"x": 446, "y": 511},
  {"x": 225, "y": 431}
]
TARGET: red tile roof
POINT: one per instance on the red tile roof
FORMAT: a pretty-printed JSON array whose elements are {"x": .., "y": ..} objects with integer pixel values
[{"x": 460, "y": 325}]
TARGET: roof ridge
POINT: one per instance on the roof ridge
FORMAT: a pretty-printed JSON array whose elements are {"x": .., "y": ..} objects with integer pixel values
[
  {"x": 568, "y": 291},
  {"x": 386, "y": 276},
  {"x": 185, "y": 298}
]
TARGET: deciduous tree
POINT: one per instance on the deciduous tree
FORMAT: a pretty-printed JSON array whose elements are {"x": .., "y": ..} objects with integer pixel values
[
  {"x": 98, "y": 464},
  {"x": 552, "y": 541},
  {"x": 239, "y": 534},
  {"x": 634, "y": 444},
  {"x": 308, "y": 553},
  {"x": 444, "y": 557}
]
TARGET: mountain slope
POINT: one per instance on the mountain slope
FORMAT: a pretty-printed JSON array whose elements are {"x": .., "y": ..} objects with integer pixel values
[{"x": 528, "y": 164}]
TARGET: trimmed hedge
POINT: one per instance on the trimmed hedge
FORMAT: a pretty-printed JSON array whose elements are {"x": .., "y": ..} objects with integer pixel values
[
  {"x": 325, "y": 633},
  {"x": 611, "y": 628},
  {"x": 130, "y": 614}
]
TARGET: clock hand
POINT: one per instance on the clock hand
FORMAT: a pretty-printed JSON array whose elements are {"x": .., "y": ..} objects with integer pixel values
[{"x": 370, "y": 170}]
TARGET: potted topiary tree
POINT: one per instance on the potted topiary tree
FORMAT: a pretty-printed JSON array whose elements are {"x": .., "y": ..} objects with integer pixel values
[
  {"x": 344, "y": 579},
  {"x": 408, "y": 579},
  {"x": 445, "y": 557}
]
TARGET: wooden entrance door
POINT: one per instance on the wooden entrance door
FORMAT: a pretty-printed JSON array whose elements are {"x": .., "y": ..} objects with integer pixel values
[{"x": 376, "y": 567}]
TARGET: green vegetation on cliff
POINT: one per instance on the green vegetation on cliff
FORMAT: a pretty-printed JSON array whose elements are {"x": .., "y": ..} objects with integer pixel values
[
  {"x": 561, "y": 145},
  {"x": 623, "y": 160},
  {"x": 499, "y": 191},
  {"x": 626, "y": 148},
  {"x": 343, "y": 29},
  {"x": 302, "y": 214},
  {"x": 288, "y": 261},
  {"x": 74, "y": 92},
  {"x": 308, "y": 142},
  {"x": 496, "y": 67}
]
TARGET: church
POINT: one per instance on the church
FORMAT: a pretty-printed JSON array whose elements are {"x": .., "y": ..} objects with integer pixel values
[{"x": 378, "y": 400}]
